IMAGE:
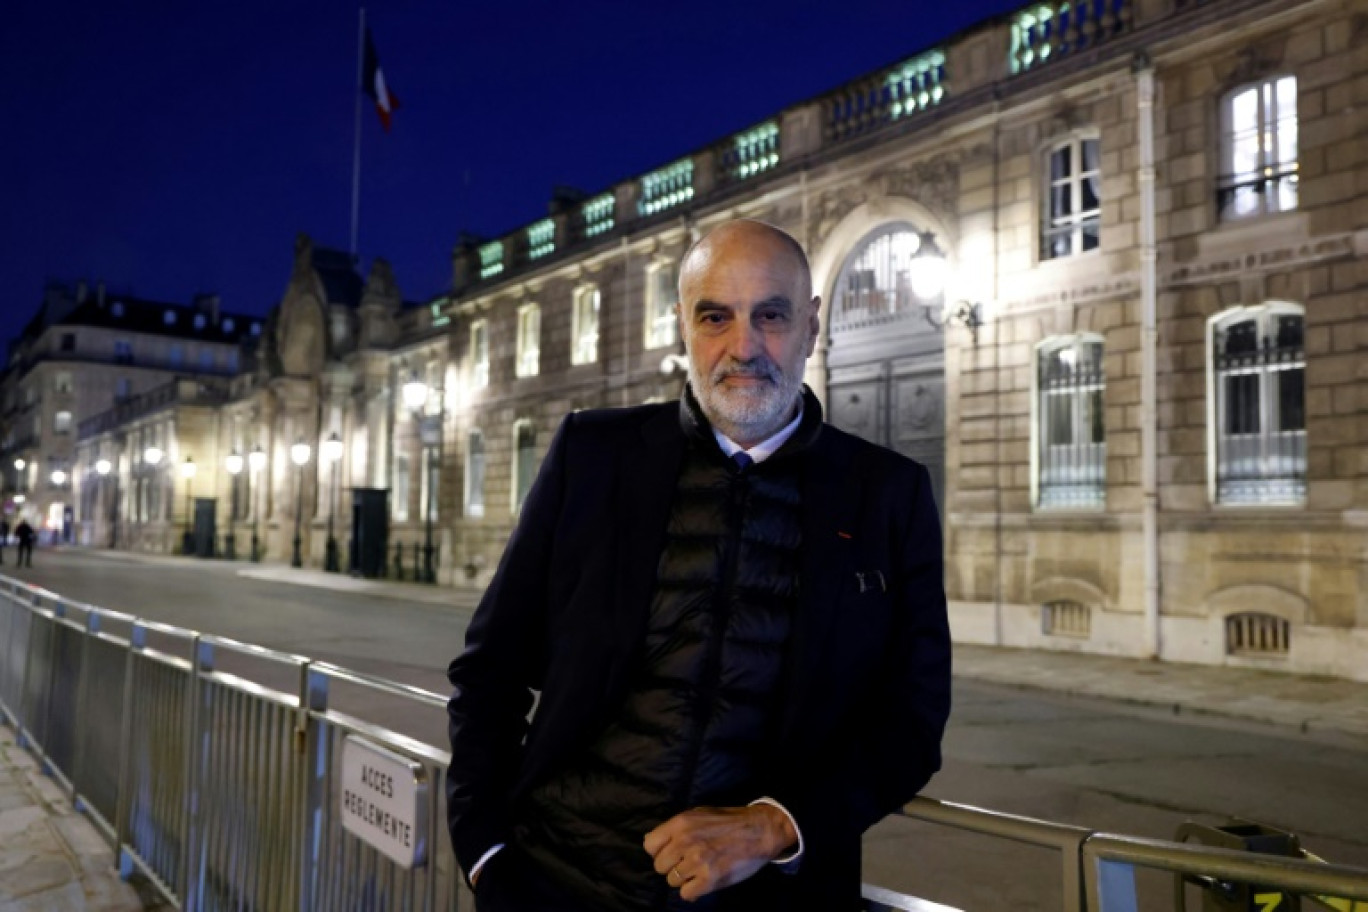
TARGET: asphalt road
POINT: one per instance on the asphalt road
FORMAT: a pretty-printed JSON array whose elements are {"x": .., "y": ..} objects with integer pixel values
[{"x": 1108, "y": 766}]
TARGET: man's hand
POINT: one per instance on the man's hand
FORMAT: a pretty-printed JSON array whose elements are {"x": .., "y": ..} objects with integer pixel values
[{"x": 706, "y": 849}]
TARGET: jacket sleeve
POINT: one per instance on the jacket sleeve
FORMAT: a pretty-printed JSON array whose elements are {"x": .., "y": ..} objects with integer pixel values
[
  {"x": 494, "y": 677},
  {"x": 890, "y": 745}
]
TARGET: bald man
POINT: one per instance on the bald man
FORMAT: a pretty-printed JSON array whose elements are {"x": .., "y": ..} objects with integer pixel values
[{"x": 734, "y": 616}]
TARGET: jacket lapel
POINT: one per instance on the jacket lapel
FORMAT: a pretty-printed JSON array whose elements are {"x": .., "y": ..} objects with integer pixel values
[{"x": 831, "y": 491}]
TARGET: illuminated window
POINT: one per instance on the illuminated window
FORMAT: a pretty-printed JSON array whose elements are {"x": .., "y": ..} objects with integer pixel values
[
  {"x": 479, "y": 353},
  {"x": 475, "y": 473},
  {"x": 875, "y": 285},
  {"x": 662, "y": 293},
  {"x": 667, "y": 187},
  {"x": 541, "y": 239},
  {"x": 61, "y": 423},
  {"x": 1258, "y": 387},
  {"x": 1073, "y": 200},
  {"x": 584, "y": 331},
  {"x": 1071, "y": 457},
  {"x": 524, "y": 461},
  {"x": 491, "y": 259},
  {"x": 1258, "y": 149},
  {"x": 529, "y": 341},
  {"x": 598, "y": 214}
]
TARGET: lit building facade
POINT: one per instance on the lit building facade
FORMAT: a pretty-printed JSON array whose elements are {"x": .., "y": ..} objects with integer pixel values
[{"x": 1100, "y": 266}]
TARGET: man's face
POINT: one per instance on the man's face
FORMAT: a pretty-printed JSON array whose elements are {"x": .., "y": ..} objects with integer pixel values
[{"x": 749, "y": 324}]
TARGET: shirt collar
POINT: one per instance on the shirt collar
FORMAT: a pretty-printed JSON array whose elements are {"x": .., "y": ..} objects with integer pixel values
[{"x": 765, "y": 448}]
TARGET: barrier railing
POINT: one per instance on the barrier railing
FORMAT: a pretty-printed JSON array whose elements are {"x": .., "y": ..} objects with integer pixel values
[{"x": 227, "y": 791}]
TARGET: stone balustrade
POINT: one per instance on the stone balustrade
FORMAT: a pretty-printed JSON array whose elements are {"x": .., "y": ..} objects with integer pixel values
[{"x": 1034, "y": 37}]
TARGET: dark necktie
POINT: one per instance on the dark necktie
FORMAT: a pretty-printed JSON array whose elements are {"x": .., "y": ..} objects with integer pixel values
[{"x": 742, "y": 460}]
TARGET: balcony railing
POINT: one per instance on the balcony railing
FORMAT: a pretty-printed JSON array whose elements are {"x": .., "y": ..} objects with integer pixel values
[
  {"x": 1037, "y": 36},
  {"x": 192, "y": 392},
  {"x": 1049, "y": 31}
]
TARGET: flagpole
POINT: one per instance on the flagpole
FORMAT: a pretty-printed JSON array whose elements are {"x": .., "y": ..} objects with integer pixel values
[{"x": 356, "y": 156}]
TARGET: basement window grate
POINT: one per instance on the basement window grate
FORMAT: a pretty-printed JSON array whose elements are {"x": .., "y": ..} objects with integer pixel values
[
  {"x": 1065, "y": 618},
  {"x": 1252, "y": 633}
]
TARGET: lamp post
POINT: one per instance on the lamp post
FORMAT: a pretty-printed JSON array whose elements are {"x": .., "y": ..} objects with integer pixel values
[
  {"x": 299, "y": 455},
  {"x": 233, "y": 463},
  {"x": 331, "y": 450},
  {"x": 152, "y": 456},
  {"x": 102, "y": 468},
  {"x": 256, "y": 461},
  {"x": 20, "y": 476},
  {"x": 187, "y": 471},
  {"x": 416, "y": 394}
]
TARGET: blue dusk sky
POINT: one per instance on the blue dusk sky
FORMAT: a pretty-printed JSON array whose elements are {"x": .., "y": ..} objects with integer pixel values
[{"x": 171, "y": 148}]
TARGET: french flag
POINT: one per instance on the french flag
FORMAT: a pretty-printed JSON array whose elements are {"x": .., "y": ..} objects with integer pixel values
[{"x": 373, "y": 84}]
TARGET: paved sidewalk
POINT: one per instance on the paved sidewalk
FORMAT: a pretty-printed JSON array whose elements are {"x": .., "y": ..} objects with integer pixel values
[
  {"x": 1306, "y": 702},
  {"x": 52, "y": 859}
]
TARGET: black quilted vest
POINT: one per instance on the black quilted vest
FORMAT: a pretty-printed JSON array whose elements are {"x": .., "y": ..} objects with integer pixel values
[{"x": 704, "y": 700}]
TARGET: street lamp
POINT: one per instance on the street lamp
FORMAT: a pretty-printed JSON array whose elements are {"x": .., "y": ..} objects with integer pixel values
[
  {"x": 59, "y": 477},
  {"x": 929, "y": 270},
  {"x": 332, "y": 452},
  {"x": 102, "y": 468},
  {"x": 187, "y": 471},
  {"x": 415, "y": 393},
  {"x": 153, "y": 455},
  {"x": 299, "y": 455},
  {"x": 233, "y": 463},
  {"x": 256, "y": 461}
]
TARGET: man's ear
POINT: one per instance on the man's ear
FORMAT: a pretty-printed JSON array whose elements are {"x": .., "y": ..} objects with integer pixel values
[{"x": 814, "y": 323}]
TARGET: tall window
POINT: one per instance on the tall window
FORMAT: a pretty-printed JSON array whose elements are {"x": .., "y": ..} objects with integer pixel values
[
  {"x": 475, "y": 473},
  {"x": 61, "y": 382},
  {"x": 1072, "y": 452},
  {"x": 529, "y": 341},
  {"x": 400, "y": 505},
  {"x": 524, "y": 461},
  {"x": 1072, "y": 215},
  {"x": 662, "y": 292},
  {"x": 61, "y": 423},
  {"x": 1258, "y": 383},
  {"x": 175, "y": 354},
  {"x": 479, "y": 353},
  {"x": 1258, "y": 149},
  {"x": 584, "y": 329}
]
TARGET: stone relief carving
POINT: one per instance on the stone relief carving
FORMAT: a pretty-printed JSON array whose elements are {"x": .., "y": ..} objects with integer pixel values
[
  {"x": 828, "y": 210},
  {"x": 1100, "y": 290},
  {"x": 933, "y": 183}
]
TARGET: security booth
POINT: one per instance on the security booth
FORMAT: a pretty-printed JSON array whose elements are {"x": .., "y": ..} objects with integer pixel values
[{"x": 370, "y": 532}]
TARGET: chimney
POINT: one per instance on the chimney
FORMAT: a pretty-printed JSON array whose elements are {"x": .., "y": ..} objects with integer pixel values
[
  {"x": 82, "y": 290},
  {"x": 100, "y": 294}
]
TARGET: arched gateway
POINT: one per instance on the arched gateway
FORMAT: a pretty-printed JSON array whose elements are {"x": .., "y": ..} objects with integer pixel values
[{"x": 886, "y": 354}]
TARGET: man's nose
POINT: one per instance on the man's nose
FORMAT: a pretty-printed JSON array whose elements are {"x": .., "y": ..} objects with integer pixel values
[{"x": 745, "y": 342}]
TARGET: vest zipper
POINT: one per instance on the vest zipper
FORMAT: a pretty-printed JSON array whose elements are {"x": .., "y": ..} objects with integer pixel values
[{"x": 712, "y": 664}]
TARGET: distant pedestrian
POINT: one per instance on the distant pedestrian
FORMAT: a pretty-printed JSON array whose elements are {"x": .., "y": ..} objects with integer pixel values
[
  {"x": 24, "y": 533},
  {"x": 4, "y": 538}
]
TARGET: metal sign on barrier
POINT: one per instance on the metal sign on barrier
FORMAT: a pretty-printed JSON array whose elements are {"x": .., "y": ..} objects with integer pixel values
[{"x": 384, "y": 801}]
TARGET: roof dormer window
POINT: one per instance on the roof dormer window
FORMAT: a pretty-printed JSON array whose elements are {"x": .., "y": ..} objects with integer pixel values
[
  {"x": 256, "y": 329},
  {"x": 117, "y": 308},
  {"x": 199, "y": 321},
  {"x": 228, "y": 324},
  {"x": 169, "y": 318}
]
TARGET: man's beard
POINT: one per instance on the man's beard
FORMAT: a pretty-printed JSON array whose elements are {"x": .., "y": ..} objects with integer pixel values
[{"x": 754, "y": 409}]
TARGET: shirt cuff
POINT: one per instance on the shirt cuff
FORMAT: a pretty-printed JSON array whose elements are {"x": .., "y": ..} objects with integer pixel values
[
  {"x": 789, "y": 862},
  {"x": 479, "y": 865}
]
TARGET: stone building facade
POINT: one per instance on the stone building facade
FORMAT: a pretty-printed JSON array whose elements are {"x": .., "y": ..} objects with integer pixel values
[
  {"x": 1101, "y": 266},
  {"x": 87, "y": 351},
  {"x": 1138, "y": 387}
]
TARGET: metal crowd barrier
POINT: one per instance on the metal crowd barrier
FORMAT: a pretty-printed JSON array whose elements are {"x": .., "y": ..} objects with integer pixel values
[{"x": 225, "y": 792}]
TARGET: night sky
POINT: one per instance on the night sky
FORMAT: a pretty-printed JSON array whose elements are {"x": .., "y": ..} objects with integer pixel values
[{"x": 171, "y": 148}]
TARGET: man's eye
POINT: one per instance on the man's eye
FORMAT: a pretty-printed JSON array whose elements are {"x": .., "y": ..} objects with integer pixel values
[{"x": 711, "y": 318}]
